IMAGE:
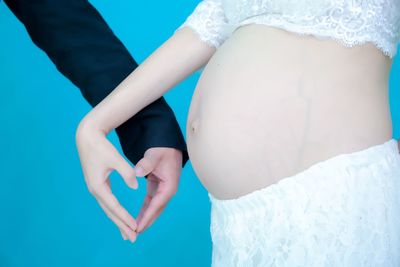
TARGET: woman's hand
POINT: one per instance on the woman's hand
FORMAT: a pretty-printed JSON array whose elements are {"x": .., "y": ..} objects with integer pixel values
[{"x": 98, "y": 159}]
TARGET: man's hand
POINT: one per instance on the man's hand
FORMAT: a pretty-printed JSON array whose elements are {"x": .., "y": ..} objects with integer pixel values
[{"x": 162, "y": 166}]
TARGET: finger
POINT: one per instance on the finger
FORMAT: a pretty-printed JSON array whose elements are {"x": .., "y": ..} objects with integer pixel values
[
  {"x": 156, "y": 204},
  {"x": 126, "y": 232},
  {"x": 123, "y": 234},
  {"x": 144, "y": 166},
  {"x": 127, "y": 172},
  {"x": 154, "y": 218},
  {"x": 105, "y": 197},
  {"x": 143, "y": 209},
  {"x": 153, "y": 183}
]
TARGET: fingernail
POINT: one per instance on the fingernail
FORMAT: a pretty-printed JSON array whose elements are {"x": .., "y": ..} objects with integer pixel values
[{"x": 139, "y": 171}]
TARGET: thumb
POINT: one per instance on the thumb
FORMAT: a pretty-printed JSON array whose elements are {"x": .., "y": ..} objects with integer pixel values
[
  {"x": 127, "y": 172},
  {"x": 144, "y": 166}
]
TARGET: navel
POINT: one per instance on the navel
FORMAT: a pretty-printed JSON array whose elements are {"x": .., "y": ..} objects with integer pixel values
[{"x": 194, "y": 125}]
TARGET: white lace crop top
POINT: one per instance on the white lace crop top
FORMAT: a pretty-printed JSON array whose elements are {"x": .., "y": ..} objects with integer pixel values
[{"x": 351, "y": 22}]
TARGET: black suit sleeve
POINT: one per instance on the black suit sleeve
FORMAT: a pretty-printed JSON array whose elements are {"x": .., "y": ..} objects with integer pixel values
[{"x": 85, "y": 50}]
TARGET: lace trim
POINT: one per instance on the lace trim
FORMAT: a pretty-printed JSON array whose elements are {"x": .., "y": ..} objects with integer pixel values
[
  {"x": 209, "y": 22},
  {"x": 350, "y": 23},
  {"x": 387, "y": 48}
]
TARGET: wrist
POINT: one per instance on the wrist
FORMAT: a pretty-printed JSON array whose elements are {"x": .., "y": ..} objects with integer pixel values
[{"x": 89, "y": 128}]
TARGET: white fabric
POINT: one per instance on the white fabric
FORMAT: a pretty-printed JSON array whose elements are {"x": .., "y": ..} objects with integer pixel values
[
  {"x": 341, "y": 212},
  {"x": 351, "y": 22}
]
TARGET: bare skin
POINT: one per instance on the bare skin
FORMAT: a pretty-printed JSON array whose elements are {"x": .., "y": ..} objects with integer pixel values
[{"x": 270, "y": 104}]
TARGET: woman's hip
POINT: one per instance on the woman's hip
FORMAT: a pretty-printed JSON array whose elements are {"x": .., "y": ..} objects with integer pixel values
[{"x": 343, "y": 211}]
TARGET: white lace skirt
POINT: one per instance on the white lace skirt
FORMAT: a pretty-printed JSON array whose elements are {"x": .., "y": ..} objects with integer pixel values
[{"x": 341, "y": 212}]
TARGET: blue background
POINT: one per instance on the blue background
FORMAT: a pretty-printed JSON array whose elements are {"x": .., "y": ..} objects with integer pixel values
[{"x": 47, "y": 216}]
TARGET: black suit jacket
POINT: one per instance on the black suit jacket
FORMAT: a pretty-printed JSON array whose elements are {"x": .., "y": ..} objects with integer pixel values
[{"x": 85, "y": 50}]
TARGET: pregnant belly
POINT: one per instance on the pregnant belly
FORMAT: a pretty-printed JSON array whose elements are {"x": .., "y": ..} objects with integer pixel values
[{"x": 270, "y": 103}]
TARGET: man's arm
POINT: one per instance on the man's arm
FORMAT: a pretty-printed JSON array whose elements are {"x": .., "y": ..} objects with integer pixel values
[{"x": 85, "y": 50}]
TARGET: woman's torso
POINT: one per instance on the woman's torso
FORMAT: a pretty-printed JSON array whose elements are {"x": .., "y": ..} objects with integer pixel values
[{"x": 271, "y": 103}]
